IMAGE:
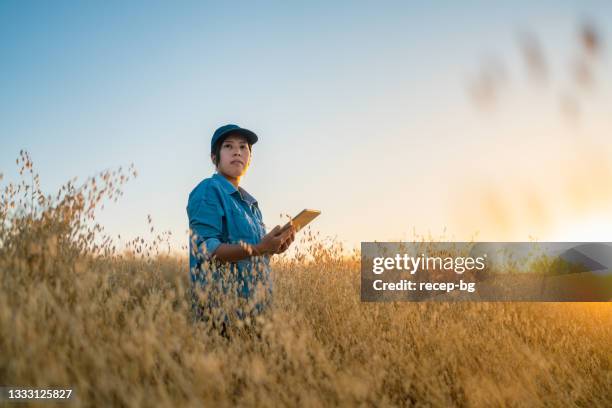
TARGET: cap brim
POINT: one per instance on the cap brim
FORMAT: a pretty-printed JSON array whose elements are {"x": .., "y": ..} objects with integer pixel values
[{"x": 250, "y": 136}]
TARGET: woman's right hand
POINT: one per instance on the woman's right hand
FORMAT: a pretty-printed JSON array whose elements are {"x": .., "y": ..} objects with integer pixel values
[{"x": 271, "y": 242}]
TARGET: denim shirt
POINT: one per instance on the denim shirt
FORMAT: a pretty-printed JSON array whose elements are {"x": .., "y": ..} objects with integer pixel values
[{"x": 221, "y": 213}]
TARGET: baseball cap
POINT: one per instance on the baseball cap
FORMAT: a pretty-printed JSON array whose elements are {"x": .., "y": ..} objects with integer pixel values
[{"x": 225, "y": 130}]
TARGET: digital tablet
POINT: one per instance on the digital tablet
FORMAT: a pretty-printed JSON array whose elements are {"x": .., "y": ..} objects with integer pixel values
[{"x": 301, "y": 220}]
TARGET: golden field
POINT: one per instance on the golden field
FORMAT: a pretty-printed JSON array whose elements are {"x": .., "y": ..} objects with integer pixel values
[{"x": 116, "y": 327}]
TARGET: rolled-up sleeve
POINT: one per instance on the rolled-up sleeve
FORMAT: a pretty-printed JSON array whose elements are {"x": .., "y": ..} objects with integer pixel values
[{"x": 206, "y": 225}]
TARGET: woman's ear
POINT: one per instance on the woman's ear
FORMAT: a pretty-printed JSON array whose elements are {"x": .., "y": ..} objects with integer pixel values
[{"x": 212, "y": 157}]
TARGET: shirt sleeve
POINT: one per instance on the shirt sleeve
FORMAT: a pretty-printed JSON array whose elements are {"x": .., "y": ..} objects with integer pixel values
[{"x": 206, "y": 225}]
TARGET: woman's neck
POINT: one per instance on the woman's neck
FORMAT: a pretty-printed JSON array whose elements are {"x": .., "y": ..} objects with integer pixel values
[{"x": 234, "y": 180}]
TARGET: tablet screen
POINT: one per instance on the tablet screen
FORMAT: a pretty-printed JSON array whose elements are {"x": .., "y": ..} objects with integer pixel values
[{"x": 302, "y": 219}]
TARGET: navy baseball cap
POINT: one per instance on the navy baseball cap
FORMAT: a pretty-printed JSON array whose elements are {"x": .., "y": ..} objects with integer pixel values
[{"x": 223, "y": 131}]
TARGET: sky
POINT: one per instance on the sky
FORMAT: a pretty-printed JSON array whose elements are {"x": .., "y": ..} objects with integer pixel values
[{"x": 363, "y": 110}]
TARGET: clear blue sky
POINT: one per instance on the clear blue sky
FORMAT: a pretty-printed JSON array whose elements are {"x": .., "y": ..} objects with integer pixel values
[{"x": 361, "y": 107}]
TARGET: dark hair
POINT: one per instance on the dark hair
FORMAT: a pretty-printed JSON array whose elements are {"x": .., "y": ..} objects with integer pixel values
[{"x": 217, "y": 150}]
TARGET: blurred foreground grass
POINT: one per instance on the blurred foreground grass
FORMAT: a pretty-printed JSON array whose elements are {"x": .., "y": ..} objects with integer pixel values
[{"x": 116, "y": 328}]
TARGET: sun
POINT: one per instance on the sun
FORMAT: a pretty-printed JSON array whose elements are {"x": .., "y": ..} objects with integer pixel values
[{"x": 592, "y": 228}]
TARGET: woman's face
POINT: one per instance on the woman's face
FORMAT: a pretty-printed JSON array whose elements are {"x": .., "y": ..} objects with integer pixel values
[{"x": 235, "y": 156}]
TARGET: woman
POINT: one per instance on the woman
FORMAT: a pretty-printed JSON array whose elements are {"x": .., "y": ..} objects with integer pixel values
[{"x": 229, "y": 247}]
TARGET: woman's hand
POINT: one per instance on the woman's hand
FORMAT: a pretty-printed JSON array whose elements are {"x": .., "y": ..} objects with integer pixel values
[
  {"x": 285, "y": 245},
  {"x": 274, "y": 242}
]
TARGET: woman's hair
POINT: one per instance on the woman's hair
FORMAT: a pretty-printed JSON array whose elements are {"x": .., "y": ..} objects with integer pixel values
[{"x": 217, "y": 150}]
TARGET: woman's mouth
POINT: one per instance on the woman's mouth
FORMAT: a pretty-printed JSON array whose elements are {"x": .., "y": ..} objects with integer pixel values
[{"x": 237, "y": 162}]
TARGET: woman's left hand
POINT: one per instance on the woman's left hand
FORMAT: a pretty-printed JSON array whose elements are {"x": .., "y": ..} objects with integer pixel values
[{"x": 285, "y": 245}]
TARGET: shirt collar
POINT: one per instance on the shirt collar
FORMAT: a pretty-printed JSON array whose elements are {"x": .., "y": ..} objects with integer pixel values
[{"x": 229, "y": 188}]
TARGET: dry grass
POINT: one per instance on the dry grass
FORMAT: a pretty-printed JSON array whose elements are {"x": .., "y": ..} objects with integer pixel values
[{"x": 116, "y": 328}]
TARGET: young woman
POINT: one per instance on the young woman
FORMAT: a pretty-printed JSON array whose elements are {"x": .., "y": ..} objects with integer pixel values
[{"x": 229, "y": 247}]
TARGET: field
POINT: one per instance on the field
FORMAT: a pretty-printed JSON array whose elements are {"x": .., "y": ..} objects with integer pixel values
[{"x": 116, "y": 328}]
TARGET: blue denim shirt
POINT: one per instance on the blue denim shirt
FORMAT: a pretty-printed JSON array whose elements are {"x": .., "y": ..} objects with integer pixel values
[{"x": 221, "y": 213}]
